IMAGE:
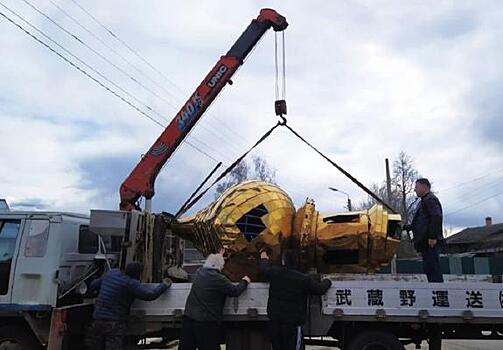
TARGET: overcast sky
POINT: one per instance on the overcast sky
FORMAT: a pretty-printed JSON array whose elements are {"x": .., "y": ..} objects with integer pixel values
[{"x": 365, "y": 80}]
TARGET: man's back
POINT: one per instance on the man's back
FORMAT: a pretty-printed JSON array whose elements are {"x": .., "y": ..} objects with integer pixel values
[
  {"x": 202, "y": 326},
  {"x": 117, "y": 291},
  {"x": 207, "y": 295},
  {"x": 288, "y": 291}
]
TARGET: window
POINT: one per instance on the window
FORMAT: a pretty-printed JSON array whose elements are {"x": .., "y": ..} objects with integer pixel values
[
  {"x": 9, "y": 230},
  {"x": 38, "y": 235},
  {"x": 88, "y": 242}
]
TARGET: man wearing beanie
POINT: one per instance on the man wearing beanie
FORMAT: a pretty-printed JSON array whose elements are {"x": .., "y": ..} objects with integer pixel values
[{"x": 117, "y": 291}]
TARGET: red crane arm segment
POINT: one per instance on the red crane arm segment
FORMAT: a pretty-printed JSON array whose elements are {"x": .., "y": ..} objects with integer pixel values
[{"x": 140, "y": 181}]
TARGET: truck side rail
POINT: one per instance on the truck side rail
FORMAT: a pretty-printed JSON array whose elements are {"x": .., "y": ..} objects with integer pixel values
[
  {"x": 384, "y": 300},
  {"x": 399, "y": 300},
  {"x": 251, "y": 304}
]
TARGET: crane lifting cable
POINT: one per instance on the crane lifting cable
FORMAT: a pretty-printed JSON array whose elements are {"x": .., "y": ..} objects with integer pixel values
[
  {"x": 281, "y": 111},
  {"x": 190, "y": 203},
  {"x": 342, "y": 170},
  {"x": 280, "y": 103}
]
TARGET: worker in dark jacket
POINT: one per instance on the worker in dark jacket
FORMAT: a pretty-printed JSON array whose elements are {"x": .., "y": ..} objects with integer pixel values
[
  {"x": 427, "y": 228},
  {"x": 288, "y": 291},
  {"x": 201, "y": 327},
  {"x": 117, "y": 291}
]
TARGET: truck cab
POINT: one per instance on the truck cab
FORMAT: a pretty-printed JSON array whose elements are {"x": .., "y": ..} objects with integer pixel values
[{"x": 44, "y": 258}]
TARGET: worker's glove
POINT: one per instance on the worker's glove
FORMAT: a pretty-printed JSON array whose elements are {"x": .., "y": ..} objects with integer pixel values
[
  {"x": 260, "y": 245},
  {"x": 407, "y": 227},
  {"x": 167, "y": 281},
  {"x": 263, "y": 247}
]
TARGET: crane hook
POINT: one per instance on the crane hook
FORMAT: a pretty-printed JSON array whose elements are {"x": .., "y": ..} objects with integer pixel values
[{"x": 280, "y": 109}]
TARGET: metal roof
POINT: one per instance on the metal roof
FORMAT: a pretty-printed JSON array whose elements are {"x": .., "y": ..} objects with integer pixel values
[{"x": 477, "y": 234}]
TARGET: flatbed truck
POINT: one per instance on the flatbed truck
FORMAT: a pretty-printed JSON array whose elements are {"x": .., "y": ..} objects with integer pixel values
[{"x": 47, "y": 258}]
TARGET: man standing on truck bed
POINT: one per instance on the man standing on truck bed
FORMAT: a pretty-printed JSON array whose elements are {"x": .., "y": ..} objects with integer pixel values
[
  {"x": 288, "y": 291},
  {"x": 427, "y": 228},
  {"x": 117, "y": 291},
  {"x": 202, "y": 320}
]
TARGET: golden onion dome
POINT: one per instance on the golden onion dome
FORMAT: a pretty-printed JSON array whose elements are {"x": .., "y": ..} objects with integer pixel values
[{"x": 250, "y": 214}]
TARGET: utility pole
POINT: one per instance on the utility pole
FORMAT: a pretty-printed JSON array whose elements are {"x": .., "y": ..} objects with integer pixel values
[
  {"x": 388, "y": 199},
  {"x": 388, "y": 182}
]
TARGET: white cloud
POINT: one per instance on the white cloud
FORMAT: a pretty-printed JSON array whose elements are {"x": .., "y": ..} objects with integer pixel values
[{"x": 365, "y": 81}]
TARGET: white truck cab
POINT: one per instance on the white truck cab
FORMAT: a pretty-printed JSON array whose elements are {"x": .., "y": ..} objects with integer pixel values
[{"x": 44, "y": 256}]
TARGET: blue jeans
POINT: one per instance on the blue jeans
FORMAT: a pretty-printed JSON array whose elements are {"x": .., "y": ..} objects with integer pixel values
[{"x": 431, "y": 264}]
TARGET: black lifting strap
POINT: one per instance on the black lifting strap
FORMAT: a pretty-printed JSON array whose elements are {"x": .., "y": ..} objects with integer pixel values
[
  {"x": 358, "y": 183},
  {"x": 184, "y": 209}
]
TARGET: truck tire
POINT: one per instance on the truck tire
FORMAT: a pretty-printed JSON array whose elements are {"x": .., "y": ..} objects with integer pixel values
[
  {"x": 17, "y": 338},
  {"x": 375, "y": 340}
]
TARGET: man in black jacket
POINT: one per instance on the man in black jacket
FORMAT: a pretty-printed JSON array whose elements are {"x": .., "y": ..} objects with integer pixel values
[
  {"x": 427, "y": 228},
  {"x": 202, "y": 321},
  {"x": 288, "y": 291}
]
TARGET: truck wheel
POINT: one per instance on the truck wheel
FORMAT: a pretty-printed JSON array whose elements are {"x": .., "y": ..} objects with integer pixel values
[
  {"x": 17, "y": 338},
  {"x": 375, "y": 340}
]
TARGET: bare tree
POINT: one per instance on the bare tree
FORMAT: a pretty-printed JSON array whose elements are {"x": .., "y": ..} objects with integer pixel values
[
  {"x": 263, "y": 171},
  {"x": 258, "y": 169},
  {"x": 404, "y": 178},
  {"x": 402, "y": 187}
]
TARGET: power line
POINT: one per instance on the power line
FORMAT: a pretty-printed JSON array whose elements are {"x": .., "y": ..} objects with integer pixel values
[
  {"x": 216, "y": 135},
  {"x": 125, "y": 73},
  {"x": 127, "y": 46},
  {"x": 478, "y": 192},
  {"x": 469, "y": 181},
  {"x": 111, "y": 63},
  {"x": 80, "y": 69},
  {"x": 480, "y": 189},
  {"x": 143, "y": 59},
  {"x": 136, "y": 53},
  {"x": 204, "y": 144},
  {"x": 209, "y": 131},
  {"x": 101, "y": 84},
  {"x": 226, "y": 171},
  {"x": 474, "y": 204},
  {"x": 200, "y": 150},
  {"x": 97, "y": 53},
  {"x": 101, "y": 75},
  {"x": 110, "y": 48}
]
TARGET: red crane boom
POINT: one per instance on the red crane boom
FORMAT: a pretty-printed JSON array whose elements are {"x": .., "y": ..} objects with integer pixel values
[{"x": 141, "y": 180}]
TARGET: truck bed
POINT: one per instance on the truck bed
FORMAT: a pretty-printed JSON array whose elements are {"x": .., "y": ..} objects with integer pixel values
[{"x": 405, "y": 298}]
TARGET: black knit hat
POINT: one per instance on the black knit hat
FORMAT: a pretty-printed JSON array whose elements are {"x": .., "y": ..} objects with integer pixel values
[{"x": 134, "y": 269}]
